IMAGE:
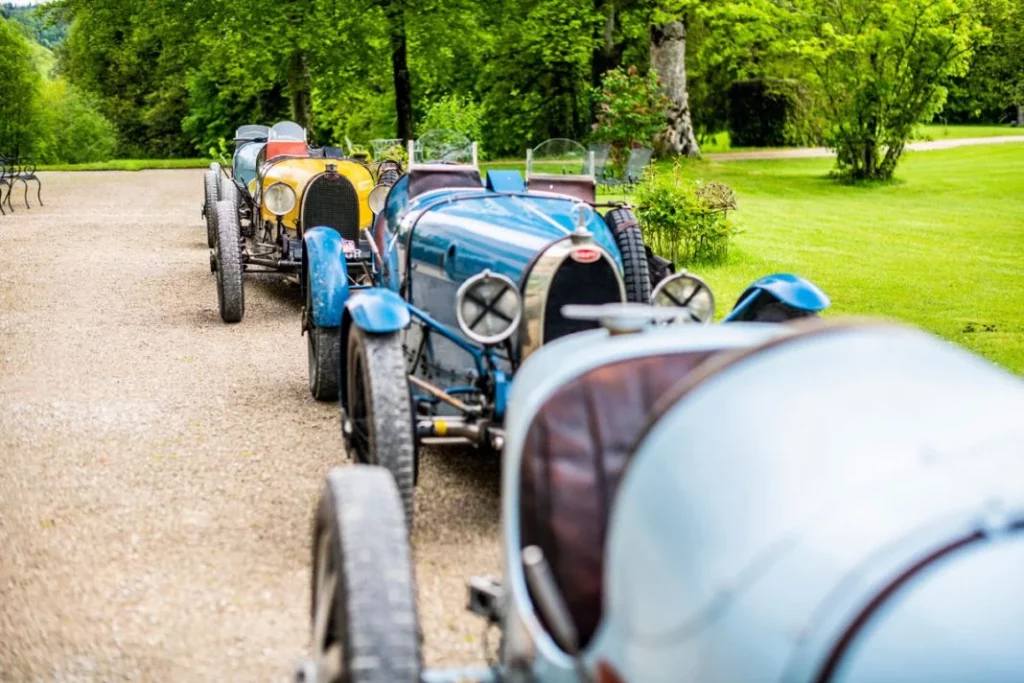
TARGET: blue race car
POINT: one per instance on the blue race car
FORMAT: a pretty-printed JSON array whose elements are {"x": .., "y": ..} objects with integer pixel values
[
  {"x": 801, "y": 503},
  {"x": 469, "y": 280}
]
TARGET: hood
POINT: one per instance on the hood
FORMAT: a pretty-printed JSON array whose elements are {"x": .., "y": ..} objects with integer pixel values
[{"x": 499, "y": 232}]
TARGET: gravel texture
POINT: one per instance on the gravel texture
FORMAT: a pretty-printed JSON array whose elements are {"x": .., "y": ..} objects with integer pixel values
[{"x": 159, "y": 469}]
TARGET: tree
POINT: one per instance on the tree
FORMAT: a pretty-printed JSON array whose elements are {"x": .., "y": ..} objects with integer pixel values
[
  {"x": 877, "y": 68},
  {"x": 668, "y": 59},
  {"x": 394, "y": 14},
  {"x": 19, "y": 91}
]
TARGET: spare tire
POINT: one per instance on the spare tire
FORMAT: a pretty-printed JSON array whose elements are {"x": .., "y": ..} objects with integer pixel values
[{"x": 635, "y": 270}]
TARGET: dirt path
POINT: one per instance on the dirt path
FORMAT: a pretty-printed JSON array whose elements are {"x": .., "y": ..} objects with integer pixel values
[
  {"x": 822, "y": 152},
  {"x": 158, "y": 469}
]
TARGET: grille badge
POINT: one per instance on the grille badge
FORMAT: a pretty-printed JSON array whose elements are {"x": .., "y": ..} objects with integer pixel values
[{"x": 584, "y": 255}]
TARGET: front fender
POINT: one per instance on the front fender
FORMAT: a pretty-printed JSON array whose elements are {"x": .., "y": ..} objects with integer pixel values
[
  {"x": 379, "y": 311},
  {"x": 325, "y": 272},
  {"x": 792, "y": 290}
]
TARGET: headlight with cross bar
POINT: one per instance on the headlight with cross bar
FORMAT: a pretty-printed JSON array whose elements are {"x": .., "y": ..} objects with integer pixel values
[{"x": 488, "y": 307}]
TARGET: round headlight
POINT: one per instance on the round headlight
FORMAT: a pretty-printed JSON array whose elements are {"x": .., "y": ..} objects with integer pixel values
[
  {"x": 488, "y": 308},
  {"x": 279, "y": 199},
  {"x": 688, "y": 293}
]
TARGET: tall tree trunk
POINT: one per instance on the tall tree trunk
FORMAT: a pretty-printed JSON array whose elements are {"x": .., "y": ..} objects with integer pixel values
[
  {"x": 607, "y": 54},
  {"x": 1020, "y": 115},
  {"x": 300, "y": 90},
  {"x": 395, "y": 11},
  {"x": 668, "y": 57}
]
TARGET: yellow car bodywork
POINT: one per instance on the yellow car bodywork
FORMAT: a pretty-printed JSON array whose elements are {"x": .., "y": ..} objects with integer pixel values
[{"x": 297, "y": 172}]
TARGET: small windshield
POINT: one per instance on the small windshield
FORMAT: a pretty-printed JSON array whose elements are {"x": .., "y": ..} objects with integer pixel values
[
  {"x": 444, "y": 146},
  {"x": 252, "y": 132},
  {"x": 288, "y": 131},
  {"x": 558, "y": 156},
  {"x": 387, "y": 148}
]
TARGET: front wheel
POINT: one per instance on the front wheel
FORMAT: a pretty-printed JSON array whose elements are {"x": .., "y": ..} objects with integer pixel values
[
  {"x": 365, "y": 625},
  {"x": 635, "y": 270},
  {"x": 379, "y": 408},
  {"x": 211, "y": 189},
  {"x": 230, "y": 293},
  {"x": 323, "y": 349}
]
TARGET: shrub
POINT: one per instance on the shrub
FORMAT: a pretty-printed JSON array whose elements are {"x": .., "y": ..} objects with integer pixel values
[
  {"x": 630, "y": 111},
  {"x": 73, "y": 131},
  {"x": 771, "y": 113},
  {"x": 460, "y": 114},
  {"x": 685, "y": 221}
]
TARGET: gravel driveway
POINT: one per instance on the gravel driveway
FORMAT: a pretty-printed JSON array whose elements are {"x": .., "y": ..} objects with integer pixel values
[{"x": 158, "y": 469}]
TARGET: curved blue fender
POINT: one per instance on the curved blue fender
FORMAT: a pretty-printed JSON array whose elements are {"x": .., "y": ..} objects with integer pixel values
[
  {"x": 792, "y": 290},
  {"x": 379, "y": 311},
  {"x": 326, "y": 270}
]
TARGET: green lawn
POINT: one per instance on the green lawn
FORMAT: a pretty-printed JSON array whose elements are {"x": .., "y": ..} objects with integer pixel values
[
  {"x": 720, "y": 141},
  {"x": 129, "y": 165},
  {"x": 943, "y": 248},
  {"x": 955, "y": 132}
]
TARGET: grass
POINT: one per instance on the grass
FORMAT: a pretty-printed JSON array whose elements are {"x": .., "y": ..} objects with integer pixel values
[
  {"x": 129, "y": 165},
  {"x": 941, "y": 248},
  {"x": 720, "y": 142},
  {"x": 956, "y": 132}
]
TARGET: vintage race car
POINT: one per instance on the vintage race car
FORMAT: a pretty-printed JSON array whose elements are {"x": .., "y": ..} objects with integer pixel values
[
  {"x": 279, "y": 189},
  {"x": 471, "y": 280},
  {"x": 804, "y": 502},
  {"x": 249, "y": 140}
]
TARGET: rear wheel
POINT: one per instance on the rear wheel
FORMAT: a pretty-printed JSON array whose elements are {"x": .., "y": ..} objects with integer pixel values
[
  {"x": 635, "y": 270},
  {"x": 323, "y": 348},
  {"x": 365, "y": 626},
  {"x": 230, "y": 291},
  {"x": 379, "y": 408},
  {"x": 212, "y": 196}
]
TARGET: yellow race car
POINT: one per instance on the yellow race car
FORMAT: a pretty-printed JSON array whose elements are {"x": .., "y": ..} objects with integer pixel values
[{"x": 279, "y": 188}]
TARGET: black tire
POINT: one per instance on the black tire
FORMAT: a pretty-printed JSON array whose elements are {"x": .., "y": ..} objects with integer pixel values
[
  {"x": 379, "y": 408},
  {"x": 363, "y": 592},
  {"x": 230, "y": 291},
  {"x": 211, "y": 197},
  {"x": 389, "y": 177},
  {"x": 635, "y": 270},
  {"x": 323, "y": 348},
  {"x": 229, "y": 193}
]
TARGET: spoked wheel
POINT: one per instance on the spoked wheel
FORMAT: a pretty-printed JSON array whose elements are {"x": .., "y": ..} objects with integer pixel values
[
  {"x": 323, "y": 348},
  {"x": 211, "y": 189},
  {"x": 365, "y": 626},
  {"x": 379, "y": 408},
  {"x": 228, "y": 254},
  {"x": 635, "y": 270}
]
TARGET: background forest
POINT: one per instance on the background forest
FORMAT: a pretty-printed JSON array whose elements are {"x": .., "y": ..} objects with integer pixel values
[{"x": 95, "y": 79}]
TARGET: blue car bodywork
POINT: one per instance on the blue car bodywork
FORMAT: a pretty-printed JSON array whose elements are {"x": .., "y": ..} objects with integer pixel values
[
  {"x": 441, "y": 227},
  {"x": 249, "y": 142}
]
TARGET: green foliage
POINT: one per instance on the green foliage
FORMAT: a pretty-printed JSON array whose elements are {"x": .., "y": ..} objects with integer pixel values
[
  {"x": 19, "y": 92},
  {"x": 455, "y": 113},
  {"x": 536, "y": 83},
  {"x": 72, "y": 130},
  {"x": 37, "y": 25},
  {"x": 129, "y": 165},
  {"x": 681, "y": 222},
  {"x": 877, "y": 68},
  {"x": 630, "y": 111},
  {"x": 993, "y": 90}
]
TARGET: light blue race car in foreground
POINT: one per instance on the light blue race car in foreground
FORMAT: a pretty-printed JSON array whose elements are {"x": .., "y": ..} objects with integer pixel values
[{"x": 805, "y": 502}]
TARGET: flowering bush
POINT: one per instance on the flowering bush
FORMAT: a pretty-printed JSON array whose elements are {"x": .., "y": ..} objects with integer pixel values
[
  {"x": 686, "y": 222},
  {"x": 630, "y": 111}
]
